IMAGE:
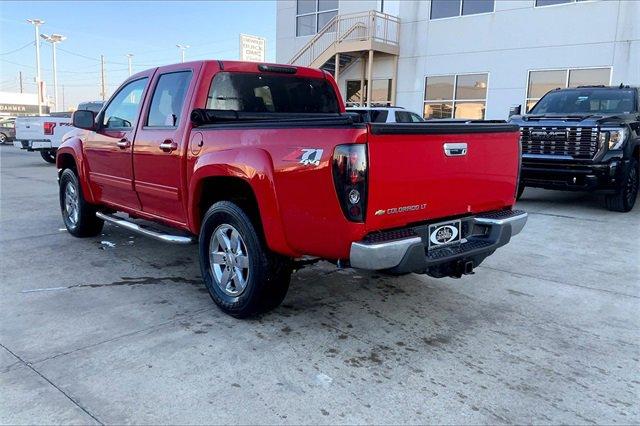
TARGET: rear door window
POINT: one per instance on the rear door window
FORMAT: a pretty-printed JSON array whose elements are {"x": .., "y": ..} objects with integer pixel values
[
  {"x": 403, "y": 117},
  {"x": 379, "y": 115},
  {"x": 168, "y": 98},
  {"x": 249, "y": 92}
]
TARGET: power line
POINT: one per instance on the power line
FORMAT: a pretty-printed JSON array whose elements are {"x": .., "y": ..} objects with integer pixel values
[{"x": 31, "y": 43}]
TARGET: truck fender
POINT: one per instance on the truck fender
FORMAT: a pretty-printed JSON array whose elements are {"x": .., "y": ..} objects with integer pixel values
[
  {"x": 255, "y": 167},
  {"x": 71, "y": 149}
]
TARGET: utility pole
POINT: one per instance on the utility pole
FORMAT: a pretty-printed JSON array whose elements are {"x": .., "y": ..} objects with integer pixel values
[
  {"x": 182, "y": 48},
  {"x": 36, "y": 25},
  {"x": 54, "y": 39},
  {"x": 20, "y": 79},
  {"x": 129, "y": 56},
  {"x": 103, "y": 92},
  {"x": 63, "y": 108}
]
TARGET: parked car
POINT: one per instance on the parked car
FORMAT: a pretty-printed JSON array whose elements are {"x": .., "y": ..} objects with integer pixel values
[
  {"x": 584, "y": 139},
  {"x": 45, "y": 133},
  {"x": 7, "y": 129},
  {"x": 386, "y": 115},
  {"x": 261, "y": 166}
]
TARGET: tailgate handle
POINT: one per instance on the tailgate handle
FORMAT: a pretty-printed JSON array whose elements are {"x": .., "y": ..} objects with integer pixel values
[{"x": 455, "y": 149}]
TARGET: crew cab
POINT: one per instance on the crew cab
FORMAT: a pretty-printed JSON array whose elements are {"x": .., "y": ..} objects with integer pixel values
[
  {"x": 261, "y": 165},
  {"x": 584, "y": 139},
  {"x": 45, "y": 133}
]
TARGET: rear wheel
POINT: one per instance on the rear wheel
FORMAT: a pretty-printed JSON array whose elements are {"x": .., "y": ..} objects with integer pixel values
[
  {"x": 243, "y": 277},
  {"x": 3, "y": 138},
  {"x": 521, "y": 188},
  {"x": 79, "y": 216},
  {"x": 49, "y": 155},
  {"x": 625, "y": 198}
]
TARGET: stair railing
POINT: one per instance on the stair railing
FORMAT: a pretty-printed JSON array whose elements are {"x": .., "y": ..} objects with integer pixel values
[{"x": 371, "y": 25}]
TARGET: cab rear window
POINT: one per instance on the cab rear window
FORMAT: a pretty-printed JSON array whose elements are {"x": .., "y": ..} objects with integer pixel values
[{"x": 249, "y": 92}]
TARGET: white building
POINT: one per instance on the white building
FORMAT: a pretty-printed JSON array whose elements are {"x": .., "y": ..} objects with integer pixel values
[
  {"x": 12, "y": 104},
  {"x": 462, "y": 58}
]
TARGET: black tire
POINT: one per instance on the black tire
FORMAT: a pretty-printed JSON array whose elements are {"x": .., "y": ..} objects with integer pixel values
[
  {"x": 49, "y": 155},
  {"x": 521, "y": 188},
  {"x": 84, "y": 223},
  {"x": 3, "y": 138},
  {"x": 625, "y": 198},
  {"x": 267, "y": 276}
]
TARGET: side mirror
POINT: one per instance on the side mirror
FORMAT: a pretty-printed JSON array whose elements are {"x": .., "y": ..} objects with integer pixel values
[
  {"x": 515, "y": 110},
  {"x": 84, "y": 119}
]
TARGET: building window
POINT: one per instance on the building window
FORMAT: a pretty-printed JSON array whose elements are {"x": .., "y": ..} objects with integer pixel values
[
  {"x": 456, "y": 96},
  {"x": 450, "y": 8},
  {"x": 541, "y": 82},
  {"x": 312, "y": 15},
  {"x": 380, "y": 92},
  {"x": 540, "y": 3}
]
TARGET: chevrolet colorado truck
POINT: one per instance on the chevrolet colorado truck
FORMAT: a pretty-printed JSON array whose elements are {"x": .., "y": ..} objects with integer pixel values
[
  {"x": 584, "y": 139},
  {"x": 261, "y": 165}
]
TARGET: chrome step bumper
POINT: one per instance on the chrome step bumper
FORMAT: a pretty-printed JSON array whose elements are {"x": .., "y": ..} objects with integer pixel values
[
  {"x": 409, "y": 254},
  {"x": 123, "y": 223}
]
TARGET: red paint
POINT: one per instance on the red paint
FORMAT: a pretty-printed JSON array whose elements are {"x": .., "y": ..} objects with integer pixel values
[{"x": 299, "y": 208}]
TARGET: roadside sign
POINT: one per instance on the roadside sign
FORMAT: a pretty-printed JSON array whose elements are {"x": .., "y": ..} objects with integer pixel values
[{"x": 252, "y": 48}]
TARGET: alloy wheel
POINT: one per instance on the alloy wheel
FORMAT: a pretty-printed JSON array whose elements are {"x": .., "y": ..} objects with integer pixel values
[
  {"x": 229, "y": 260},
  {"x": 71, "y": 204}
]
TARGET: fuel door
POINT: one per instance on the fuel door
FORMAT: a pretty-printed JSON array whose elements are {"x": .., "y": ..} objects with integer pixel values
[{"x": 196, "y": 143}]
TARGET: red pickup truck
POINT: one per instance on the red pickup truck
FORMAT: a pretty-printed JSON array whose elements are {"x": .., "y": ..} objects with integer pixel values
[{"x": 262, "y": 166}]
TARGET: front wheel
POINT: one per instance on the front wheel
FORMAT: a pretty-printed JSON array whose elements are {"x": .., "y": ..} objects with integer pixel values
[
  {"x": 49, "y": 155},
  {"x": 242, "y": 276},
  {"x": 625, "y": 198},
  {"x": 3, "y": 138},
  {"x": 78, "y": 215}
]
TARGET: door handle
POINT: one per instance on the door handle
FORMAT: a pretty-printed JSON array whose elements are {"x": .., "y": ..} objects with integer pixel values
[
  {"x": 455, "y": 149},
  {"x": 168, "y": 145},
  {"x": 123, "y": 143}
]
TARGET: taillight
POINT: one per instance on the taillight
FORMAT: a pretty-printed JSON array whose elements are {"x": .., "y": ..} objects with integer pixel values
[
  {"x": 48, "y": 127},
  {"x": 350, "y": 178}
]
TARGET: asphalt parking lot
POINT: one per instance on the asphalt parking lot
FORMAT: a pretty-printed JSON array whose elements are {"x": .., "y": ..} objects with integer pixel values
[{"x": 119, "y": 329}]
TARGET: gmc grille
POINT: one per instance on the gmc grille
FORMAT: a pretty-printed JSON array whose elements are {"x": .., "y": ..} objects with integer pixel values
[{"x": 575, "y": 142}]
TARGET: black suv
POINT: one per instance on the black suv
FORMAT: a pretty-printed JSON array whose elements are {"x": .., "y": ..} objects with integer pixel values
[{"x": 583, "y": 139}]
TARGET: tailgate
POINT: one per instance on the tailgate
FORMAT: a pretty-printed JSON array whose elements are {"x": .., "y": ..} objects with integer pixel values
[
  {"x": 30, "y": 128},
  {"x": 412, "y": 178}
]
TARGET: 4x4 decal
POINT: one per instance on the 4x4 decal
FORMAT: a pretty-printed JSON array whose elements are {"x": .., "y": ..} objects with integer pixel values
[{"x": 306, "y": 156}]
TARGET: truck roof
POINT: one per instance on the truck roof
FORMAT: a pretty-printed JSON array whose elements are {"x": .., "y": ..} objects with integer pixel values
[
  {"x": 621, "y": 86},
  {"x": 254, "y": 67}
]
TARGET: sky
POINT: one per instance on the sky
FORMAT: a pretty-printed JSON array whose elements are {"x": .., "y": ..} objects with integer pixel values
[{"x": 149, "y": 30}]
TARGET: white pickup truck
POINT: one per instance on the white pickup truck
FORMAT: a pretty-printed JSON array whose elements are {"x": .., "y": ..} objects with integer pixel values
[{"x": 44, "y": 133}]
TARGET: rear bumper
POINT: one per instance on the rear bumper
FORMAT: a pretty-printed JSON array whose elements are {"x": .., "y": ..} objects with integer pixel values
[
  {"x": 34, "y": 145},
  {"x": 484, "y": 234},
  {"x": 571, "y": 176}
]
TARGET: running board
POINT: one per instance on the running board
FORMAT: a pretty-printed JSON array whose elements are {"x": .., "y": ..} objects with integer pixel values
[{"x": 167, "y": 238}]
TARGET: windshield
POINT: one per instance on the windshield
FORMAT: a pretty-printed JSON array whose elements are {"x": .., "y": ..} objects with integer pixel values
[
  {"x": 271, "y": 93},
  {"x": 586, "y": 101}
]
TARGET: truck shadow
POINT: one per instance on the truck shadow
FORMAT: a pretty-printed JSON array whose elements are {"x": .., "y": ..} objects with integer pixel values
[{"x": 361, "y": 319}]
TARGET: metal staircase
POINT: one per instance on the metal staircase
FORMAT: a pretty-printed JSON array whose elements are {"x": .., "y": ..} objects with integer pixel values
[
  {"x": 348, "y": 38},
  {"x": 346, "y": 60}
]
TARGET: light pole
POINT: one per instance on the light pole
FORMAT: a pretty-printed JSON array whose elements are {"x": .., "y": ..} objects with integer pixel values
[
  {"x": 36, "y": 24},
  {"x": 54, "y": 39},
  {"x": 129, "y": 56},
  {"x": 182, "y": 48}
]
